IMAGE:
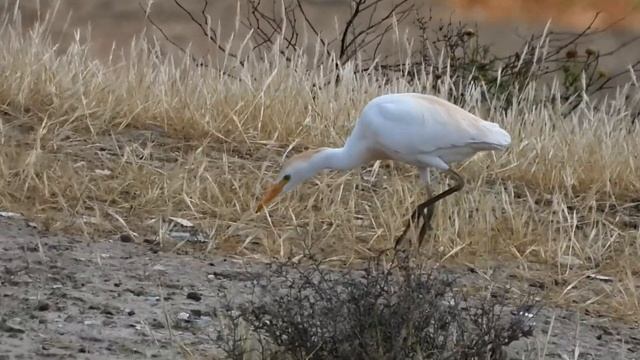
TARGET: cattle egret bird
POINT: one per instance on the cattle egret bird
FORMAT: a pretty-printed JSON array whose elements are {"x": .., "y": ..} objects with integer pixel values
[{"x": 421, "y": 130}]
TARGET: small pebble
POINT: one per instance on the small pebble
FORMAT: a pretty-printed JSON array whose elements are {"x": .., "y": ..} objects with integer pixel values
[
  {"x": 107, "y": 311},
  {"x": 43, "y": 306},
  {"x": 130, "y": 312},
  {"x": 137, "y": 292},
  {"x": 126, "y": 238},
  {"x": 156, "y": 324},
  {"x": 159, "y": 268},
  {"x": 195, "y": 296},
  {"x": 11, "y": 326}
]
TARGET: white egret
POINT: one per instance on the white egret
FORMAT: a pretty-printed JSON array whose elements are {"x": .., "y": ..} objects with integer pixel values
[{"x": 421, "y": 130}]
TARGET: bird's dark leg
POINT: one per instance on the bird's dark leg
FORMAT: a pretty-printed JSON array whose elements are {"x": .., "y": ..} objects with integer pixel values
[
  {"x": 428, "y": 205},
  {"x": 426, "y": 215},
  {"x": 426, "y": 225},
  {"x": 415, "y": 217},
  {"x": 418, "y": 213}
]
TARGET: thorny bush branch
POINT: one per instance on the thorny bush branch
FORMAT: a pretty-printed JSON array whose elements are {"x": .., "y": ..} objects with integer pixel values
[
  {"x": 312, "y": 312},
  {"x": 451, "y": 53}
]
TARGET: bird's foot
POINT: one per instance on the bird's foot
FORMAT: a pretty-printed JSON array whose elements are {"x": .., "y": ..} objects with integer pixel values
[
  {"x": 400, "y": 242},
  {"x": 409, "y": 228},
  {"x": 417, "y": 235}
]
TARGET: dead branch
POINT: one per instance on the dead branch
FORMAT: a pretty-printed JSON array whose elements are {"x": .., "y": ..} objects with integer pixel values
[{"x": 446, "y": 48}]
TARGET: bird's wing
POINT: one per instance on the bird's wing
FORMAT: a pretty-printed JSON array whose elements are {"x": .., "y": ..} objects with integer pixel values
[{"x": 419, "y": 124}]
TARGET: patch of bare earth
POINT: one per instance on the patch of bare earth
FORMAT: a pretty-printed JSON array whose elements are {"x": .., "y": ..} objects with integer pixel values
[{"x": 66, "y": 298}]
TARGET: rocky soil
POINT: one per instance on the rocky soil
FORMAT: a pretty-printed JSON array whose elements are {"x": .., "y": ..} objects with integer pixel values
[{"x": 69, "y": 298}]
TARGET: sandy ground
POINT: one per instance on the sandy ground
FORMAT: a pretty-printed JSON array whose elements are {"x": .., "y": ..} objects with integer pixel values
[{"x": 66, "y": 298}]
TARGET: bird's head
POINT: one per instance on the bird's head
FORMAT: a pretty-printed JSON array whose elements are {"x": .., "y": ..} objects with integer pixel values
[{"x": 294, "y": 171}]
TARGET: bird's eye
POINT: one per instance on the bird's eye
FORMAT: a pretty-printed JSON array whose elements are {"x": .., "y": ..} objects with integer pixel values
[{"x": 286, "y": 177}]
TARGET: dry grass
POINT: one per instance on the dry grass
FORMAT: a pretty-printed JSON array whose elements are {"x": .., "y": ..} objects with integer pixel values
[{"x": 101, "y": 148}]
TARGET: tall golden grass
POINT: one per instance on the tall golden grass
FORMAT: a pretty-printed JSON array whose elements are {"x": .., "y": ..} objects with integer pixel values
[{"x": 105, "y": 147}]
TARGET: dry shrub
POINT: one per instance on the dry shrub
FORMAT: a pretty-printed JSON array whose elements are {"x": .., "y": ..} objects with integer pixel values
[{"x": 312, "y": 312}]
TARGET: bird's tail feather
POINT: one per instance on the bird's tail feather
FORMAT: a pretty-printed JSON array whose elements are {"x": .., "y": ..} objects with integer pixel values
[{"x": 498, "y": 139}]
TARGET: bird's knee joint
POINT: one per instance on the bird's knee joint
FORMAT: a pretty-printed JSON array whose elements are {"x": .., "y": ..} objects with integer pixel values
[{"x": 458, "y": 179}]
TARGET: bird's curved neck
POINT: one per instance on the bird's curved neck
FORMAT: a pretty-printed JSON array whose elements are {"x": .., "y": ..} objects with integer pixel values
[{"x": 343, "y": 158}]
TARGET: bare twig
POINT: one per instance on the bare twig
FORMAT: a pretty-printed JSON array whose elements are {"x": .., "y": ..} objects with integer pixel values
[{"x": 543, "y": 54}]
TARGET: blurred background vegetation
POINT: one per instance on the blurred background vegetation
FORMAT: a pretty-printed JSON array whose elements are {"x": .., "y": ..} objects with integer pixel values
[{"x": 502, "y": 22}]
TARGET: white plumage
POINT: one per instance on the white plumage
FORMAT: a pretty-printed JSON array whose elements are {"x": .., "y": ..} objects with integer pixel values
[
  {"x": 424, "y": 130},
  {"x": 421, "y": 130}
]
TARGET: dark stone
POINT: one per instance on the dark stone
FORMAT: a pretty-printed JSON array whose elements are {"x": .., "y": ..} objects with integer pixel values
[
  {"x": 126, "y": 238},
  {"x": 193, "y": 295},
  {"x": 43, "y": 306}
]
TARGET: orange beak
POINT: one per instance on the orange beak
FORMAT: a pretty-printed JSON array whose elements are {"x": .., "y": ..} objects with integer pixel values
[{"x": 271, "y": 194}]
